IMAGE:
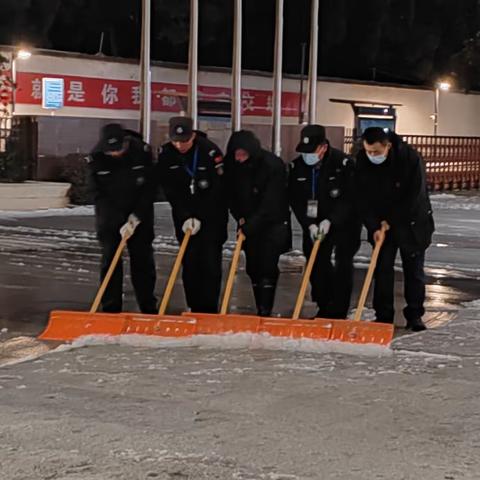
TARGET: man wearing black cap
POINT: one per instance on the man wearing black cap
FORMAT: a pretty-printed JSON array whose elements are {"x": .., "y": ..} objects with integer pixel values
[
  {"x": 321, "y": 193},
  {"x": 190, "y": 170},
  {"x": 257, "y": 185},
  {"x": 119, "y": 167},
  {"x": 392, "y": 188}
]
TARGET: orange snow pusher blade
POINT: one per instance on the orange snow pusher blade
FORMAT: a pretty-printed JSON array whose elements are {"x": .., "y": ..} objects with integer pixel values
[
  {"x": 68, "y": 325},
  {"x": 351, "y": 331},
  {"x": 228, "y": 323},
  {"x": 214, "y": 324},
  {"x": 362, "y": 332}
]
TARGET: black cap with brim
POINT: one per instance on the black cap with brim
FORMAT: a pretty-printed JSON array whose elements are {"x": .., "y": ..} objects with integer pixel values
[
  {"x": 111, "y": 139},
  {"x": 311, "y": 137},
  {"x": 180, "y": 129}
]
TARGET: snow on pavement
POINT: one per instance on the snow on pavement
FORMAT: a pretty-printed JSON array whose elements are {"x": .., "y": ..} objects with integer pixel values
[
  {"x": 135, "y": 410},
  {"x": 247, "y": 407}
]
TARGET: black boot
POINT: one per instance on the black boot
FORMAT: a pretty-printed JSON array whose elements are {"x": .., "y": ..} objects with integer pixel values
[
  {"x": 322, "y": 313},
  {"x": 416, "y": 325},
  {"x": 266, "y": 296},
  {"x": 383, "y": 320},
  {"x": 150, "y": 308},
  {"x": 256, "y": 294}
]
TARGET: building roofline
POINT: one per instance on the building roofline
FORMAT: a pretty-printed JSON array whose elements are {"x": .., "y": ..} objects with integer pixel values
[{"x": 213, "y": 69}]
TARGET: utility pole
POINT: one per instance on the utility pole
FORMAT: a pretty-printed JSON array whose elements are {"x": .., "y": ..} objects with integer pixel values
[
  {"x": 236, "y": 101},
  {"x": 313, "y": 72},
  {"x": 145, "y": 72},
  {"x": 277, "y": 81},
  {"x": 193, "y": 64},
  {"x": 301, "y": 112}
]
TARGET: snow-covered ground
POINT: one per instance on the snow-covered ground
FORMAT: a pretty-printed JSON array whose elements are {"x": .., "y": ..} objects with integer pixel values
[{"x": 241, "y": 408}]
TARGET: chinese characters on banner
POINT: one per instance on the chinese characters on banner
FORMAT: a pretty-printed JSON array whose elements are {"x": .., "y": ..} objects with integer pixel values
[{"x": 125, "y": 95}]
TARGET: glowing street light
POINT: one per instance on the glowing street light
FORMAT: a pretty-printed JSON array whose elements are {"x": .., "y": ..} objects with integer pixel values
[
  {"x": 19, "y": 53},
  {"x": 24, "y": 54},
  {"x": 445, "y": 86}
]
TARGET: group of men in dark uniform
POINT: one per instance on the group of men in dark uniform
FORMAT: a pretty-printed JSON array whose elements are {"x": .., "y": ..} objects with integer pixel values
[{"x": 331, "y": 195}]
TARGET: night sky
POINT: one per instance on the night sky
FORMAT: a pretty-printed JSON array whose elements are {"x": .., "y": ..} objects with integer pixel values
[{"x": 399, "y": 41}]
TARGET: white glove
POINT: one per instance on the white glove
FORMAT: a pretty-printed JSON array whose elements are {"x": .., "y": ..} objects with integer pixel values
[
  {"x": 324, "y": 227},
  {"x": 193, "y": 224},
  {"x": 128, "y": 229},
  {"x": 313, "y": 232}
]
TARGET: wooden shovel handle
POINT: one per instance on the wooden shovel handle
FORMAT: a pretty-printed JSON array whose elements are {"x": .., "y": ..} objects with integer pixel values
[
  {"x": 108, "y": 276},
  {"x": 174, "y": 273},
  {"x": 370, "y": 272},
  {"x": 306, "y": 278},
  {"x": 231, "y": 274}
]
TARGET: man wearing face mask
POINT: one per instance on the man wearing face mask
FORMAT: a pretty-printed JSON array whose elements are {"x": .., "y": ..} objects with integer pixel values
[
  {"x": 257, "y": 186},
  {"x": 321, "y": 194},
  {"x": 391, "y": 187},
  {"x": 119, "y": 168},
  {"x": 190, "y": 170}
]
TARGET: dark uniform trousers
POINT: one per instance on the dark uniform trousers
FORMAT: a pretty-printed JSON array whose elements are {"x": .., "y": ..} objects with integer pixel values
[
  {"x": 262, "y": 252},
  {"x": 414, "y": 282},
  {"x": 202, "y": 272},
  {"x": 332, "y": 282},
  {"x": 142, "y": 269}
]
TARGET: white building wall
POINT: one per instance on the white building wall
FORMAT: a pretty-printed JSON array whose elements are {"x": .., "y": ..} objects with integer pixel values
[{"x": 459, "y": 114}]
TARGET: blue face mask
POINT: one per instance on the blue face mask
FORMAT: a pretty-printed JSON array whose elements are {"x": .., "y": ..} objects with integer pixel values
[
  {"x": 377, "y": 159},
  {"x": 310, "y": 158}
]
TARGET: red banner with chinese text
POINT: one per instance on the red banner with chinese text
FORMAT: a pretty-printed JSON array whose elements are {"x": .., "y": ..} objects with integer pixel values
[{"x": 125, "y": 95}]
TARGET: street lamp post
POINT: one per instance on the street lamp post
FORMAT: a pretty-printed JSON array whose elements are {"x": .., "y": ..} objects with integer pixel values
[
  {"x": 440, "y": 86},
  {"x": 17, "y": 54}
]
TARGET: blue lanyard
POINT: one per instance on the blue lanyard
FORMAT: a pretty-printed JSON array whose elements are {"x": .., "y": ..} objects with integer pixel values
[
  {"x": 192, "y": 171},
  {"x": 315, "y": 173}
]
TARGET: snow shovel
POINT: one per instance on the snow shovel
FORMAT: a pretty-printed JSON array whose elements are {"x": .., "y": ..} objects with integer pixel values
[
  {"x": 356, "y": 331},
  {"x": 318, "y": 329},
  {"x": 223, "y": 322},
  {"x": 278, "y": 327},
  {"x": 68, "y": 325}
]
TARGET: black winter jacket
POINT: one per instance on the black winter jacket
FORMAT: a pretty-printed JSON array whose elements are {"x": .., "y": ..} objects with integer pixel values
[
  {"x": 331, "y": 184},
  {"x": 195, "y": 190},
  {"x": 121, "y": 186},
  {"x": 258, "y": 187},
  {"x": 396, "y": 191}
]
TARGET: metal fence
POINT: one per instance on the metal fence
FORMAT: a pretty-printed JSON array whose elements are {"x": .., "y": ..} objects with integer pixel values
[
  {"x": 452, "y": 163},
  {"x": 18, "y": 148}
]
